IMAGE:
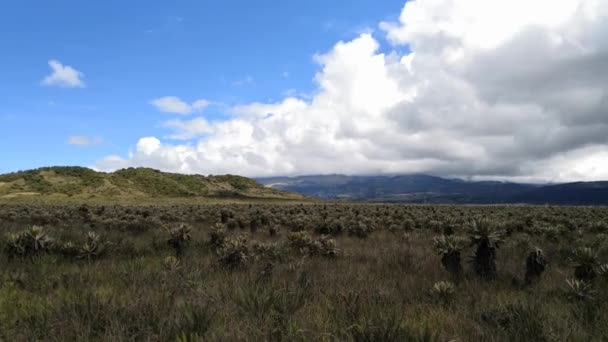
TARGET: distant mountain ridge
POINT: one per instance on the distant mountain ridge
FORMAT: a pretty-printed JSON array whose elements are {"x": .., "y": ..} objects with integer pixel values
[
  {"x": 421, "y": 188},
  {"x": 130, "y": 183}
]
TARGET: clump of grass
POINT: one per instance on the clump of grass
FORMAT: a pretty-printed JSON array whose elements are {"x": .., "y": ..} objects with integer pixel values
[{"x": 519, "y": 321}]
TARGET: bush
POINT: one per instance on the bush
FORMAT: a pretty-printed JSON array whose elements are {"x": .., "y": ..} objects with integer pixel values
[{"x": 234, "y": 254}]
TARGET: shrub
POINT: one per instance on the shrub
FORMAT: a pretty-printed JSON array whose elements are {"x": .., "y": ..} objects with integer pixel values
[{"x": 234, "y": 254}]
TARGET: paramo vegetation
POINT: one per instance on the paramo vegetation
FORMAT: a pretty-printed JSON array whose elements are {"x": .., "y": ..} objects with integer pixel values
[{"x": 313, "y": 271}]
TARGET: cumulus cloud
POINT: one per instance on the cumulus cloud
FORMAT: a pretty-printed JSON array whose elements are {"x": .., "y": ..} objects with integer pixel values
[
  {"x": 173, "y": 104},
  {"x": 63, "y": 76},
  {"x": 488, "y": 89},
  {"x": 81, "y": 140}
]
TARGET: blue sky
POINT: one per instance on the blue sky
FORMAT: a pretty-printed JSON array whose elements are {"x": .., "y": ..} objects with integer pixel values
[
  {"x": 131, "y": 52},
  {"x": 478, "y": 89}
]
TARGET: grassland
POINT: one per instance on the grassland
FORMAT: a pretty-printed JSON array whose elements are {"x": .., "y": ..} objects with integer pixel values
[
  {"x": 132, "y": 184},
  {"x": 309, "y": 272}
]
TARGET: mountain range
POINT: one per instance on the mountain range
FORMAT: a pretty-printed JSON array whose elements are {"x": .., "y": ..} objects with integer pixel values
[
  {"x": 138, "y": 183},
  {"x": 421, "y": 188}
]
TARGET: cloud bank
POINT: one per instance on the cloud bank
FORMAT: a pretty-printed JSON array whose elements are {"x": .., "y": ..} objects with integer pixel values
[{"x": 488, "y": 89}]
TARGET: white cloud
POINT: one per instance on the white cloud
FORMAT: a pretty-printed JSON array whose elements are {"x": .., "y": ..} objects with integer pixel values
[
  {"x": 488, "y": 89},
  {"x": 63, "y": 76},
  {"x": 81, "y": 140},
  {"x": 186, "y": 130},
  {"x": 173, "y": 104}
]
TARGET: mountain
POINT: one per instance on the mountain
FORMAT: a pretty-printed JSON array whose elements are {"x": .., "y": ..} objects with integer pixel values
[
  {"x": 420, "y": 188},
  {"x": 130, "y": 183}
]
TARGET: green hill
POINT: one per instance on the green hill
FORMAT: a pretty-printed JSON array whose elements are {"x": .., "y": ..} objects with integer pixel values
[{"x": 130, "y": 183}]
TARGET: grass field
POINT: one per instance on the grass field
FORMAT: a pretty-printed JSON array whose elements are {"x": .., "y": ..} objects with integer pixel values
[{"x": 313, "y": 272}]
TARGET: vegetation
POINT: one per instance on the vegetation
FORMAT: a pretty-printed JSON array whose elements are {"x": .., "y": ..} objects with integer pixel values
[
  {"x": 137, "y": 183},
  {"x": 302, "y": 272}
]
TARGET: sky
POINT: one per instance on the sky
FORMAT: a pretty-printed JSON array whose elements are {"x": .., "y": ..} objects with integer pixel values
[{"x": 478, "y": 89}]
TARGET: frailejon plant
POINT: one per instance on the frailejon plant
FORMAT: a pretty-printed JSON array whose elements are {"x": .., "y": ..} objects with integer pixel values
[
  {"x": 270, "y": 251},
  {"x": 31, "y": 242},
  {"x": 535, "y": 265},
  {"x": 327, "y": 247},
  {"x": 449, "y": 248},
  {"x": 93, "y": 247},
  {"x": 579, "y": 290},
  {"x": 585, "y": 261},
  {"x": 171, "y": 264},
  {"x": 582, "y": 295},
  {"x": 306, "y": 245},
  {"x": 602, "y": 270},
  {"x": 443, "y": 291},
  {"x": 179, "y": 237},
  {"x": 487, "y": 238},
  {"x": 234, "y": 254},
  {"x": 68, "y": 249},
  {"x": 217, "y": 236}
]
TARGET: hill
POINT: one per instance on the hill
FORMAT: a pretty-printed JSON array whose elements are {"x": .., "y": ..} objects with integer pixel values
[
  {"x": 130, "y": 183},
  {"x": 430, "y": 189}
]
